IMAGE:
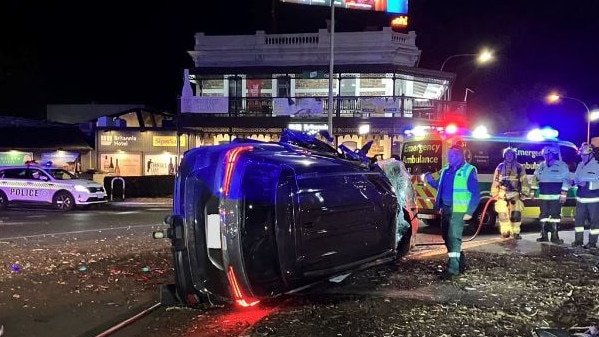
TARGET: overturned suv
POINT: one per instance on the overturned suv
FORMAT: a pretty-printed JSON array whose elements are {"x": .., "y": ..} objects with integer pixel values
[
  {"x": 38, "y": 184},
  {"x": 252, "y": 220}
]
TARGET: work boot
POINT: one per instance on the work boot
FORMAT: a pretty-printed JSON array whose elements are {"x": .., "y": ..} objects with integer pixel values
[
  {"x": 463, "y": 263},
  {"x": 543, "y": 237},
  {"x": 517, "y": 236},
  {"x": 447, "y": 276},
  {"x": 555, "y": 238},
  {"x": 578, "y": 237},
  {"x": 590, "y": 245}
]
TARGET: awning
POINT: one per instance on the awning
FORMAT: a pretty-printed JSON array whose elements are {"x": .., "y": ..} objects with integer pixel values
[{"x": 43, "y": 139}]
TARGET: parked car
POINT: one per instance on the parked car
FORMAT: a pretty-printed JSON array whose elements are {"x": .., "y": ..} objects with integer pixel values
[
  {"x": 35, "y": 184},
  {"x": 252, "y": 220}
]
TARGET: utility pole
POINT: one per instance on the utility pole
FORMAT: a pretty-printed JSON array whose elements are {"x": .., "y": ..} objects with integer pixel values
[{"x": 331, "y": 64}]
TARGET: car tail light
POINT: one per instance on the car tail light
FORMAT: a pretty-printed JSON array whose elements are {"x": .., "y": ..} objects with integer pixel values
[
  {"x": 230, "y": 161},
  {"x": 236, "y": 291}
]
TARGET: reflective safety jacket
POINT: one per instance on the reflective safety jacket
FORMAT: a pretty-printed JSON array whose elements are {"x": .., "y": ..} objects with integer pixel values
[
  {"x": 552, "y": 180},
  {"x": 465, "y": 195},
  {"x": 587, "y": 173},
  {"x": 510, "y": 176}
]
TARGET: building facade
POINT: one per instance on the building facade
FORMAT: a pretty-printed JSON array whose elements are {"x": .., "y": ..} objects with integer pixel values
[{"x": 257, "y": 85}]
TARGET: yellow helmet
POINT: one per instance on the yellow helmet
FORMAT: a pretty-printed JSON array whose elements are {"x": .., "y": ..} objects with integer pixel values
[{"x": 585, "y": 149}]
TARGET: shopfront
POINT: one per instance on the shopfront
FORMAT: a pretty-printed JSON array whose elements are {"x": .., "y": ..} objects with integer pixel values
[{"x": 131, "y": 152}]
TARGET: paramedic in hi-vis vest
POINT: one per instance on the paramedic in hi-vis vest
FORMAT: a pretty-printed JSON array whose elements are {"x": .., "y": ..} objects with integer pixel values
[
  {"x": 586, "y": 179},
  {"x": 458, "y": 195},
  {"x": 509, "y": 185},
  {"x": 552, "y": 179}
]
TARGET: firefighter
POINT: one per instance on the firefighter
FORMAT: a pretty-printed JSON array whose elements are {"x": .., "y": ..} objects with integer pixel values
[
  {"x": 509, "y": 185},
  {"x": 458, "y": 195},
  {"x": 552, "y": 179},
  {"x": 586, "y": 179}
]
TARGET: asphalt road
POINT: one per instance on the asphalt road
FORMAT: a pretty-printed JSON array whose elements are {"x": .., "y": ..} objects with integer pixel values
[
  {"x": 40, "y": 221},
  {"x": 115, "y": 219}
]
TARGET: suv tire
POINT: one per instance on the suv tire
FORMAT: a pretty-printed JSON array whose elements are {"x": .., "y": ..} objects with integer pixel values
[{"x": 63, "y": 201}]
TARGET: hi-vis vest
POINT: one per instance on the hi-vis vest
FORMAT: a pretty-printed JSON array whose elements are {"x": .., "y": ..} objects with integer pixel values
[{"x": 461, "y": 195}]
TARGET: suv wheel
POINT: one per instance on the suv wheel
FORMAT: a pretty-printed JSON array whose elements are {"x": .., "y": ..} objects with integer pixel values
[{"x": 63, "y": 201}]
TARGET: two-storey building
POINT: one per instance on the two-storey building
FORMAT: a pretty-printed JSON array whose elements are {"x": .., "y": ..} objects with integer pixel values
[{"x": 256, "y": 85}]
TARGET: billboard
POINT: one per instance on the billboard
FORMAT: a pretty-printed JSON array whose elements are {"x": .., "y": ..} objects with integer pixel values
[
  {"x": 389, "y": 6},
  {"x": 121, "y": 164}
]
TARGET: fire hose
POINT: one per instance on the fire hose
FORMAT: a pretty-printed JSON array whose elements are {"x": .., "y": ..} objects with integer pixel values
[{"x": 478, "y": 228}]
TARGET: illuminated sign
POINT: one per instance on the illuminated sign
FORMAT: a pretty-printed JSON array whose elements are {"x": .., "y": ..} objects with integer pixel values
[
  {"x": 389, "y": 6},
  {"x": 168, "y": 141},
  {"x": 400, "y": 21},
  {"x": 116, "y": 140},
  {"x": 160, "y": 164},
  {"x": 12, "y": 158},
  {"x": 307, "y": 127}
]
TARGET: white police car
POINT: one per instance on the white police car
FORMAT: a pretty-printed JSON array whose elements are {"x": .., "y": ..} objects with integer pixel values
[{"x": 46, "y": 185}]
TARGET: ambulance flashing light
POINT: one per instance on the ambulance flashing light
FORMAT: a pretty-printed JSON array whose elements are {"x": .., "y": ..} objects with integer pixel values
[
  {"x": 539, "y": 134},
  {"x": 480, "y": 132},
  {"x": 423, "y": 130},
  {"x": 451, "y": 129},
  {"x": 542, "y": 134}
]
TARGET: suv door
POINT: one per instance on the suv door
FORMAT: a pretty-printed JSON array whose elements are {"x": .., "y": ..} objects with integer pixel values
[{"x": 13, "y": 183}]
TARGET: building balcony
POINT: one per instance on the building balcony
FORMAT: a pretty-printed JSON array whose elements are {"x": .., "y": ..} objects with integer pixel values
[{"x": 317, "y": 107}]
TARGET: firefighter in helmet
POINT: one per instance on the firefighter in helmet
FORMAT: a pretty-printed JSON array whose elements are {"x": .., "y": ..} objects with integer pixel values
[
  {"x": 552, "y": 180},
  {"x": 509, "y": 185},
  {"x": 586, "y": 179}
]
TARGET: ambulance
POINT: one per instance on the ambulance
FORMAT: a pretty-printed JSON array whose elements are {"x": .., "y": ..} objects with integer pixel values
[{"x": 425, "y": 150}]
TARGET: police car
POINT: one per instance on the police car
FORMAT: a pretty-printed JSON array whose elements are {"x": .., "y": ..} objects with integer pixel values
[{"x": 47, "y": 185}]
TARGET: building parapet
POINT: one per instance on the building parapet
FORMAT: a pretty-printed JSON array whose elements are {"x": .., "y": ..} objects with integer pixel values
[{"x": 368, "y": 47}]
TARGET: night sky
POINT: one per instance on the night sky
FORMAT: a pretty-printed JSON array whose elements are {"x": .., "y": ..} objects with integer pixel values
[{"x": 65, "y": 52}]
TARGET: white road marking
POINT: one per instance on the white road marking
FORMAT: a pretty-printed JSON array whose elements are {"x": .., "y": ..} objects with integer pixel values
[
  {"x": 79, "y": 232},
  {"x": 2, "y": 223}
]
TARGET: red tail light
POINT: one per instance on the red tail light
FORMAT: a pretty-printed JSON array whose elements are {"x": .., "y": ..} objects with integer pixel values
[
  {"x": 230, "y": 162},
  {"x": 236, "y": 291}
]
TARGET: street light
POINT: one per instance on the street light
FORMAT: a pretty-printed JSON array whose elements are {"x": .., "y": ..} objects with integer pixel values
[
  {"x": 483, "y": 57},
  {"x": 590, "y": 115}
]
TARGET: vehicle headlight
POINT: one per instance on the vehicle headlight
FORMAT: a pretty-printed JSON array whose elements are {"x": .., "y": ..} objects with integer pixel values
[{"x": 81, "y": 188}]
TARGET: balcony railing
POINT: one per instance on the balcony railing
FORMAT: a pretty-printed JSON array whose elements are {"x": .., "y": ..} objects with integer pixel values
[{"x": 317, "y": 107}]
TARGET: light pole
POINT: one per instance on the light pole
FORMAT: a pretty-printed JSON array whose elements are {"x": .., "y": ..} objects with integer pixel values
[
  {"x": 553, "y": 98},
  {"x": 466, "y": 94},
  {"x": 483, "y": 57}
]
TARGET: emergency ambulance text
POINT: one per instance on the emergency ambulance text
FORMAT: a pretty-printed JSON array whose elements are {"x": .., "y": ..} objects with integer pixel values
[
  {"x": 422, "y": 153},
  {"x": 422, "y": 148},
  {"x": 529, "y": 153},
  {"x": 420, "y": 160}
]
